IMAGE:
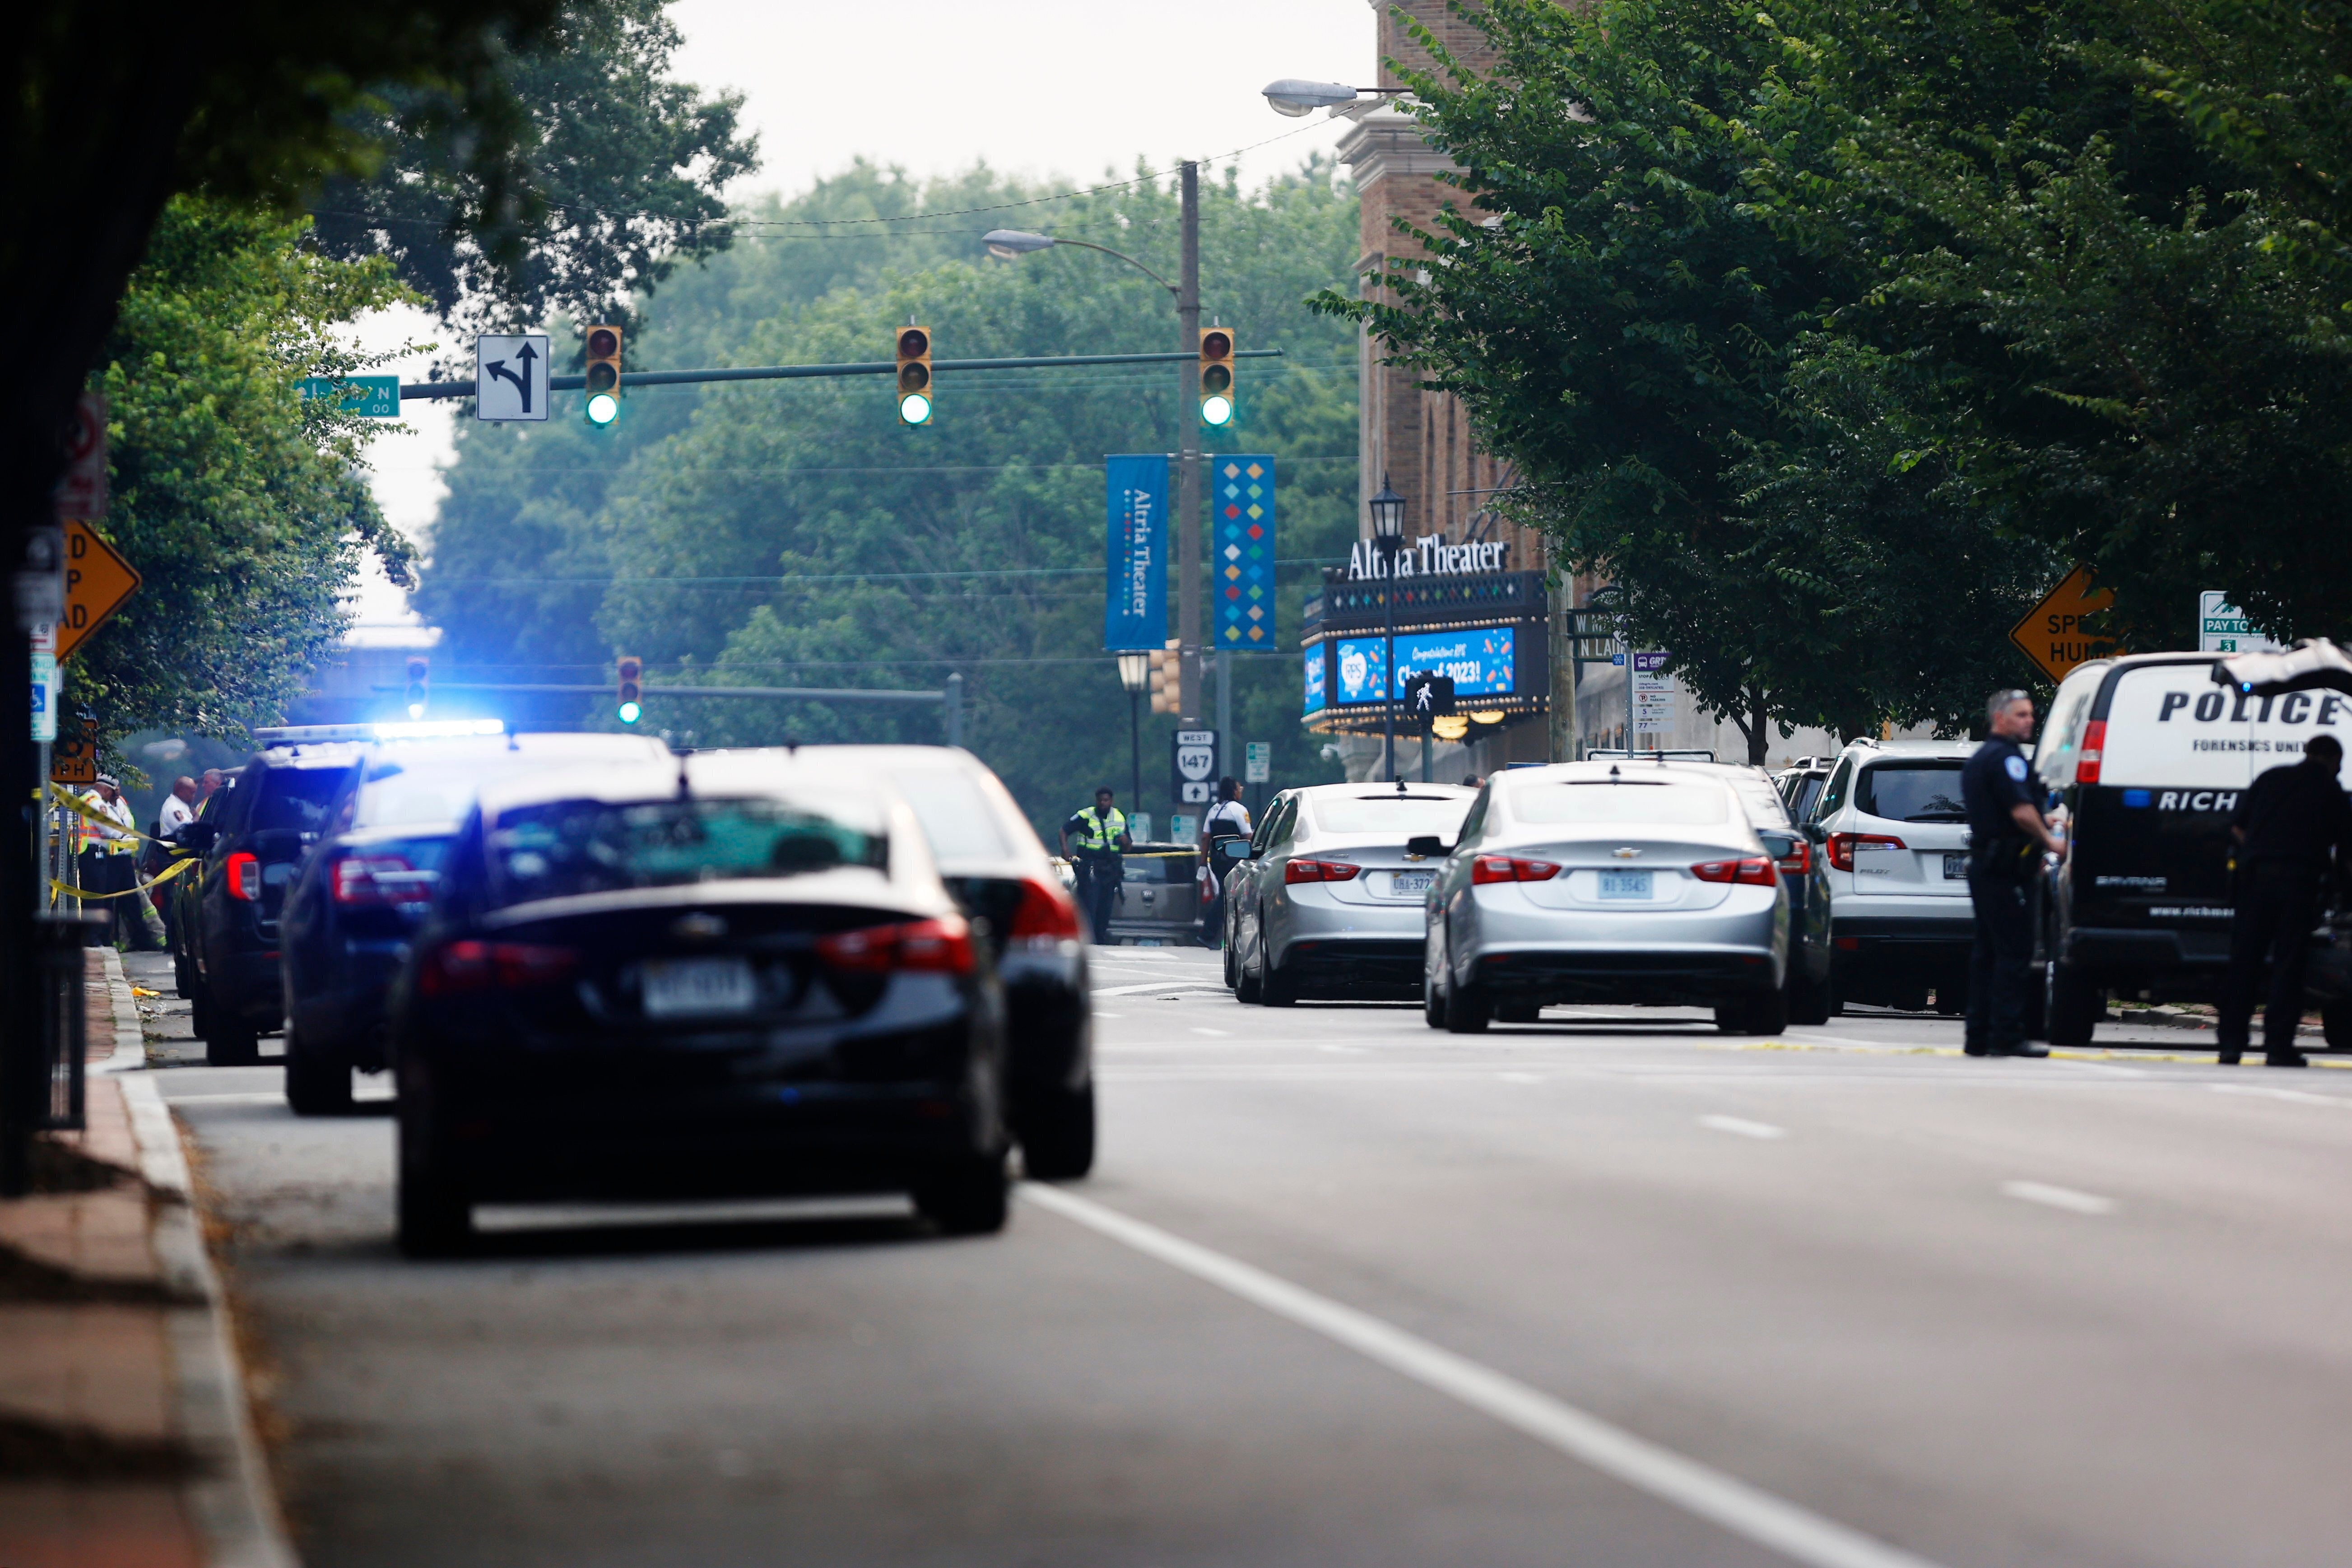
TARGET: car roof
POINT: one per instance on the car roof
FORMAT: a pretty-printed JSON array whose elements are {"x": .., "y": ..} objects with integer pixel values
[
  {"x": 551, "y": 744},
  {"x": 717, "y": 774},
  {"x": 308, "y": 755},
  {"x": 1411, "y": 789},
  {"x": 1024, "y": 850}
]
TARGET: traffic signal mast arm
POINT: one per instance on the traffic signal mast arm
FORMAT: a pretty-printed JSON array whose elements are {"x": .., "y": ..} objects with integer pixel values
[{"x": 429, "y": 389}]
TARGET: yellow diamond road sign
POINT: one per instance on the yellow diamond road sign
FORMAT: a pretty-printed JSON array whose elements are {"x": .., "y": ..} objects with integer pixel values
[
  {"x": 2052, "y": 634},
  {"x": 96, "y": 582}
]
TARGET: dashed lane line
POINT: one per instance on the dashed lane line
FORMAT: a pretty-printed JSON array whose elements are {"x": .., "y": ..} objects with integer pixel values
[
  {"x": 2066, "y": 1198},
  {"x": 1741, "y": 1127},
  {"x": 1731, "y": 1504},
  {"x": 1169, "y": 986}
]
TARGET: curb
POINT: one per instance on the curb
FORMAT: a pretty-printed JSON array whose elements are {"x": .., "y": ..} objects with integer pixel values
[
  {"x": 129, "y": 1034},
  {"x": 230, "y": 1499}
]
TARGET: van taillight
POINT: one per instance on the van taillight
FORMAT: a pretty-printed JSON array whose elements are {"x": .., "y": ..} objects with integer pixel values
[
  {"x": 465, "y": 966},
  {"x": 1753, "y": 872},
  {"x": 2094, "y": 745},
  {"x": 1046, "y": 914},
  {"x": 917, "y": 947},
  {"x": 242, "y": 877}
]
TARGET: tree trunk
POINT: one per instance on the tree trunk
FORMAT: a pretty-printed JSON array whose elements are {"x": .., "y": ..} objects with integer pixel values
[{"x": 1758, "y": 727}]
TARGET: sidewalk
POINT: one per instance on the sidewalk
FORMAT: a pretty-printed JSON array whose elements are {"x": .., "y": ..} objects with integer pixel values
[{"x": 124, "y": 1437}]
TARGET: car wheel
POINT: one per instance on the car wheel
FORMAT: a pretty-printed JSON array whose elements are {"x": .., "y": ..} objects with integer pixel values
[
  {"x": 318, "y": 1078},
  {"x": 2335, "y": 1018},
  {"x": 964, "y": 1196},
  {"x": 2072, "y": 1006},
  {"x": 436, "y": 1215},
  {"x": 1768, "y": 1012},
  {"x": 1279, "y": 985},
  {"x": 1233, "y": 980},
  {"x": 229, "y": 1042},
  {"x": 1433, "y": 1004},
  {"x": 1249, "y": 987},
  {"x": 1057, "y": 1135},
  {"x": 1467, "y": 1008},
  {"x": 184, "y": 978},
  {"x": 1518, "y": 1012},
  {"x": 1808, "y": 1000}
]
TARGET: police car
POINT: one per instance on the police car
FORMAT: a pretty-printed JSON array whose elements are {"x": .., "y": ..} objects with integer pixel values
[{"x": 2148, "y": 756}]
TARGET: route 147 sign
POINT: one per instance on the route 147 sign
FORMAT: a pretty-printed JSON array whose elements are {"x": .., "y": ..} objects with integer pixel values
[{"x": 1195, "y": 774}]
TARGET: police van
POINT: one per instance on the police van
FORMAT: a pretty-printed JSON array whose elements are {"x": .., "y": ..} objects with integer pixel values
[{"x": 2148, "y": 757}]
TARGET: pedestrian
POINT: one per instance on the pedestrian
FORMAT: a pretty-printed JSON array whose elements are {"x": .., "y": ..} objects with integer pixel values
[
  {"x": 2284, "y": 837},
  {"x": 1100, "y": 834},
  {"x": 110, "y": 867},
  {"x": 1227, "y": 819},
  {"x": 1472, "y": 780},
  {"x": 177, "y": 811},
  {"x": 2007, "y": 835},
  {"x": 212, "y": 781}
]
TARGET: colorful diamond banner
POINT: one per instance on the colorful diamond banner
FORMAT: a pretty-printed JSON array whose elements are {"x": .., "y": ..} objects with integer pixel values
[{"x": 1241, "y": 493}]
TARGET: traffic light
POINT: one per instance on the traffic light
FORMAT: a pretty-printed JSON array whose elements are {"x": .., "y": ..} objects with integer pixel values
[
  {"x": 603, "y": 374},
  {"x": 1216, "y": 376},
  {"x": 633, "y": 689},
  {"x": 417, "y": 668},
  {"x": 915, "y": 374},
  {"x": 1167, "y": 680}
]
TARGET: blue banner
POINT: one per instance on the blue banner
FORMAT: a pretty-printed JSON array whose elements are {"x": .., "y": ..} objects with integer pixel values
[
  {"x": 1135, "y": 552},
  {"x": 1241, "y": 491}
]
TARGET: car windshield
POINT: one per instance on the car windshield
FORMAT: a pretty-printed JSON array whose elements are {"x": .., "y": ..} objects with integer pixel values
[
  {"x": 1912, "y": 792},
  {"x": 1609, "y": 800},
  {"x": 572, "y": 846},
  {"x": 398, "y": 793},
  {"x": 957, "y": 817},
  {"x": 296, "y": 798},
  {"x": 1405, "y": 815}
]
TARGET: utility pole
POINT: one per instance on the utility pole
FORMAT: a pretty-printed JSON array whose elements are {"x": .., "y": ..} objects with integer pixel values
[
  {"x": 1224, "y": 709},
  {"x": 1563, "y": 667},
  {"x": 1188, "y": 453}
]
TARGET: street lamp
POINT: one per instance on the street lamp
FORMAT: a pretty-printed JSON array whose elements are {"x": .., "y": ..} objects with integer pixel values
[
  {"x": 1134, "y": 673},
  {"x": 1296, "y": 96},
  {"x": 1387, "y": 537},
  {"x": 1013, "y": 243}
]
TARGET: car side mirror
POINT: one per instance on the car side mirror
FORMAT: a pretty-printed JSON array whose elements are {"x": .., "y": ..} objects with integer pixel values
[
  {"x": 1253, "y": 854},
  {"x": 1428, "y": 846},
  {"x": 1779, "y": 845},
  {"x": 1817, "y": 833}
]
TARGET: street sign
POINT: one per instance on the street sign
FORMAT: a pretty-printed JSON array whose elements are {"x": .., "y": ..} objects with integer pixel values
[
  {"x": 45, "y": 682},
  {"x": 2052, "y": 633},
  {"x": 372, "y": 397},
  {"x": 1194, "y": 772},
  {"x": 73, "y": 759},
  {"x": 511, "y": 376},
  {"x": 1428, "y": 697},
  {"x": 1653, "y": 695},
  {"x": 1258, "y": 766},
  {"x": 82, "y": 492},
  {"x": 2222, "y": 627},
  {"x": 96, "y": 582}
]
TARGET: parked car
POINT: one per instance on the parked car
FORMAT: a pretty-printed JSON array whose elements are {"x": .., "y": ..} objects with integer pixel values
[
  {"x": 252, "y": 837},
  {"x": 1613, "y": 882},
  {"x": 736, "y": 974},
  {"x": 1159, "y": 895},
  {"x": 358, "y": 900},
  {"x": 1897, "y": 839},
  {"x": 992, "y": 861},
  {"x": 1801, "y": 785},
  {"x": 1329, "y": 902}
]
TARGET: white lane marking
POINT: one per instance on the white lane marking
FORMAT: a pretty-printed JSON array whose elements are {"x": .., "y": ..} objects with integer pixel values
[
  {"x": 1741, "y": 1127},
  {"x": 2065, "y": 1198},
  {"x": 1730, "y": 1503},
  {"x": 1345, "y": 1050},
  {"x": 1158, "y": 985},
  {"x": 2293, "y": 1096},
  {"x": 1111, "y": 1014},
  {"x": 1217, "y": 1034},
  {"x": 1520, "y": 1077},
  {"x": 262, "y": 1097}
]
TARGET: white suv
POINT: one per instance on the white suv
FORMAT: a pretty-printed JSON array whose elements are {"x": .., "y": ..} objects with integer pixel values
[{"x": 1896, "y": 840}]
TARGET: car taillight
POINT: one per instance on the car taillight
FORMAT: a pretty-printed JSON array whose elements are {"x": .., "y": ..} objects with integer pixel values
[
  {"x": 356, "y": 881},
  {"x": 1842, "y": 845},
  {"x": 464, "y": 966},
  {"x": 1318, "y": 871},
  {"x": 1752, "y": 872},
  {"x": 1046, "y": 914},
  {"x": 1798, "y": 861},
  {"x": 242, "y": 877},
  {"x": 917, "y": 947},
  {"x": 2095, "y": 746},
  {"x": 1488, "y": 868}
]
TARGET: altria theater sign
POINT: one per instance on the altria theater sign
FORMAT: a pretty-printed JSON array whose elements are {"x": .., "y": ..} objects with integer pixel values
[{"x": 1429, "y": 557}]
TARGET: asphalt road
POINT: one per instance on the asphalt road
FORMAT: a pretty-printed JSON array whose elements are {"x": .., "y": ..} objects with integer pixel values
[{"x": 1611, "y": 1290}]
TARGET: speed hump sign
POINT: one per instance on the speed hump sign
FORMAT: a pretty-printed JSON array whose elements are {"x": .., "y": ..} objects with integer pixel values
[{"x": 1195, "y": 775}]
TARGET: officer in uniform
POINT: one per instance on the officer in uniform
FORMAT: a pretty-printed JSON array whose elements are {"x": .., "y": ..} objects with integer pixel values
[
  {"x": 2006, "y": 839},
  {"x": 2284, "y": 836},
  {"x": 109, "y": 865},
  {"x": 1094, "y": 837}
]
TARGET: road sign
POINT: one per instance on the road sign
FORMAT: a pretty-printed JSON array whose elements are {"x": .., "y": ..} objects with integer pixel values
[
  {"x": 82, "y": 492},
  {"x": 1258, "y": 766},
  {"x": 511, "y": 376},
  {"x": 73, "y": 759},
  {"x": 372, "y": 397},
  {"x": 2052, "y": 634},
  {"x": 1653, "y": 695},
  {"x": 45, "y": 682},
  {"x": 1428, "y": 697},
  {"x": 2222, "y": 627},
  {"x": 1194, "y": 773},
  {"x": 96, "y": 582}
]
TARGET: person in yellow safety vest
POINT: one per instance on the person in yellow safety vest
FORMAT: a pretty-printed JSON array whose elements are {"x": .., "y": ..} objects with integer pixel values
[
  {"x": 1094, "y": 839},
  {"x": 110, "y": 864}
]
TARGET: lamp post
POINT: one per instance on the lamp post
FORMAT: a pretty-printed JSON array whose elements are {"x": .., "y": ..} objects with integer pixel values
[
  {"x": 1134, "y": 673},
  {"x": 1388, "y": 534}
]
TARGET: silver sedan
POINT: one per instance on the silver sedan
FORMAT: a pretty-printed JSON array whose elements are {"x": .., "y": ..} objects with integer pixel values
[
  {"x": 1329, "y": 902},
  {"x": 1607, "y": 882}
]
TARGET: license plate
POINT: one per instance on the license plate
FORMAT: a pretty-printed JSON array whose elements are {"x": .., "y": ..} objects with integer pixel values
[
  {"x": 697, "y": 987},
  {"x": 1625, "y": 884},
  {"x": 1409, "y": 884},
  {"x": 1954, "y": 866}
]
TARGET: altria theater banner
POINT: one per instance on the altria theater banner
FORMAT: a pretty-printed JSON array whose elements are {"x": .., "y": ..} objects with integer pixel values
[
  {"x": 1135, "y": 552},
  {"x": 1242, "y": 575}
]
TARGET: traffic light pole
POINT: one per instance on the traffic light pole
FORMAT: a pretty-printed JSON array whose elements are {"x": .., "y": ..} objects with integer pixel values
[
  {"x": 1188, "y": 452},
  {"x": 1191, "y": 357}
]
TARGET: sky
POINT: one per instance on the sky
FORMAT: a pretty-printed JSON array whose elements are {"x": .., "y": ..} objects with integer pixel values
[{"x": 1041, "y": 88}]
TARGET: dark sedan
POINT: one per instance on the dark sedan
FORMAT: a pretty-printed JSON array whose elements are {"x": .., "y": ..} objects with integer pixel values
[{"x": 737, "y": 975}]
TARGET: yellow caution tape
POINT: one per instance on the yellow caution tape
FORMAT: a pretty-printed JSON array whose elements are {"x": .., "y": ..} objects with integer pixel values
[
  {"x": 89, "y": 813},
  {"x": 67, "y": 889}
]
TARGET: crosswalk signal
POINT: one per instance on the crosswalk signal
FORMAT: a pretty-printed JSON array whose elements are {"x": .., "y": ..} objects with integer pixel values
[
  {"x": 603, "y": 374},
  {"x": 1167, "y": 674},
  {"x": 632, "y": 689},
  {"x": 416, "y": 672},
  {"x": 915, "y": 374},
  {"x": 1216, "y": 376}
]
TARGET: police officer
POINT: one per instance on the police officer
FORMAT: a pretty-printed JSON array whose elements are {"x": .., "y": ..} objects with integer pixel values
[
  {"x": 2006, "y": 839},
  {"x": 110, "y": 866},
  {"x": 1227, "y": 819},
  {"x": 2284, "y": 836},
  {"x": 1094, "y": 837}
]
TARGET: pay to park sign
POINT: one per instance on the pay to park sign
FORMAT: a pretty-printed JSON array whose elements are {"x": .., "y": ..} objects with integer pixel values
[{"x": 2052, "y": 633}]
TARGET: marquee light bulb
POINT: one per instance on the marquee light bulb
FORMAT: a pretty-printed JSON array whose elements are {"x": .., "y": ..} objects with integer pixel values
[
  {"x": 915, "y": 408},
  {"x": 1217, "y": 411},
  {"x": 603, "y": 408}
]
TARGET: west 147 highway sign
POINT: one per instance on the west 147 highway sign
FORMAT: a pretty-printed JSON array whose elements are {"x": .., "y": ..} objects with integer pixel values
[{"x": 511, "y": 376}]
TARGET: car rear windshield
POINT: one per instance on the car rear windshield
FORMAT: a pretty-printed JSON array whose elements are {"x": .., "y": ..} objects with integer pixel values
[
  {"x": 1608, "y": 800},
  {"x": 1405, "y": 815},
  {"x": 296, "y": 798},
  {"x": 573, "y": 847},
  {"x": 398, "y": 793},
  {"x": 1912, "y": 792},
  {"x": 958, "y": 819}
]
